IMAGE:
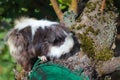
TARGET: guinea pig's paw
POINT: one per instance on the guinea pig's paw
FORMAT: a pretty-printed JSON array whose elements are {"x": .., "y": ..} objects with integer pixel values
[{"x": 43, "y": 58}]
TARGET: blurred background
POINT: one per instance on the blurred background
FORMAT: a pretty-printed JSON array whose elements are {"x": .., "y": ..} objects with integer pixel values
[{"x": 12, "y": 9}]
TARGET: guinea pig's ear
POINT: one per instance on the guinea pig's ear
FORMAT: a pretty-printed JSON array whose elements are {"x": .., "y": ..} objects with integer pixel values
[{"x": 8, "y": 35}]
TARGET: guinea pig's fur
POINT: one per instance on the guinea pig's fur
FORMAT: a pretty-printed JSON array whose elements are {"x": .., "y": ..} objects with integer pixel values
[{"x": 31, "y": 38}]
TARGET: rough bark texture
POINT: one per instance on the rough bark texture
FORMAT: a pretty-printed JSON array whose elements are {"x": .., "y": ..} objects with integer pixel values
[
  {"x": 98, "y": 28},
  {"x": 104, "y": 22},
  {"x": 109, "y": 66}
]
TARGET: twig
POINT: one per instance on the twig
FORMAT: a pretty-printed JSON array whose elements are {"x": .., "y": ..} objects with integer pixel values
[
  {"x": 103, "y": 5},
  {"x": 74, "y": 6},
  {"x": 57, "y": 9}
]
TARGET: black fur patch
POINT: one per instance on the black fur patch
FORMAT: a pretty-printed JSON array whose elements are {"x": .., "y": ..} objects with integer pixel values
[{"x": 52, "y": 35}]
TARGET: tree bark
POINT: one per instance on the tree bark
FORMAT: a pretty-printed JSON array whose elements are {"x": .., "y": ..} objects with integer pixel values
[
  {"x": 109, "y": 66},
  {"x": 97, "y": 24},
  {"x": 74, "y": 6}
]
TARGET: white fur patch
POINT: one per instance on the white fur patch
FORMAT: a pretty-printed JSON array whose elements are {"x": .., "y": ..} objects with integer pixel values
[
  {"x": 33, "y": 23},
  {"x": 12, "y": 47},
  {"x": 14, "y": 51},
  {"x": 57, "y": 51}
]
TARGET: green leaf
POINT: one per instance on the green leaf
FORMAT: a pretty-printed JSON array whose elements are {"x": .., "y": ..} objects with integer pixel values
[
  {"x": 1, "y": 10},
  {"x": 6, "y": 70},
  {"x": 62, "y": 6},
  {"x": 65, "y": 2},
  {"x": 2, "y": 35}
]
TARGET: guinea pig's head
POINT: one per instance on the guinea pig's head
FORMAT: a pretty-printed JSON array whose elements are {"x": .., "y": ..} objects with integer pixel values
[{"x": 16, "y": 42}]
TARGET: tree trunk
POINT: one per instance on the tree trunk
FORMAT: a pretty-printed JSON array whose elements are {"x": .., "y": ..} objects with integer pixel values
[{"x": 96, "y": 30}]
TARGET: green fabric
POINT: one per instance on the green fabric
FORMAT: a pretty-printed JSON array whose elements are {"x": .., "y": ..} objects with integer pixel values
[{"x": 51, "y": 71}]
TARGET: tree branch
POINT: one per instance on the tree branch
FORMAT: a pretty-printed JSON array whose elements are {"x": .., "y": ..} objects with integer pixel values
[
  {"x": 109, "y": 66},
  {"x": 57, "y": 10},
  {"x": 74, "y": 6},
  {"x": 103, "y": 5}
]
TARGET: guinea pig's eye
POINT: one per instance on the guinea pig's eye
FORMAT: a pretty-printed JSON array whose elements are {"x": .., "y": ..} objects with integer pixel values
[{"x": 17, "y": 35}]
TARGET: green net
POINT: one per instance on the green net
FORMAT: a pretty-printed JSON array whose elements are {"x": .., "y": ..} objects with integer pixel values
[{"x": 51, "y": 71}]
